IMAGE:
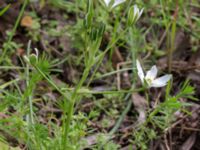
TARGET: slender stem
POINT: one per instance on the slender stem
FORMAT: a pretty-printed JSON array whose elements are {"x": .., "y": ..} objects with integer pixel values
[
  {"x": 4, "y": 10},
  {"x": 66, "y": 95},
  {"x": 71, "y": 105},
  {"x": 147, "y": 97},
  {"x": 12, "y": 67},
  {"x": 113, "y": 72},
  {"x": 119, "y": 121},
  {"x": 121, "y": 118},
  {"x": 15, "y": 27},
  {"x": 80, "y": 91},
  {"x": 171, "y": 49},
  {"x": 8, "y": 83},
  {"x": 27, "y": 83},
  {"x": 133, "y": 46}
]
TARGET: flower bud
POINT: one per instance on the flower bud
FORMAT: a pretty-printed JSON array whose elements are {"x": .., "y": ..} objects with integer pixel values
[
  {"x": 33, "y": 58},
  {"x": 89, "y": 16},
  {"x": 134, "y": 14}
]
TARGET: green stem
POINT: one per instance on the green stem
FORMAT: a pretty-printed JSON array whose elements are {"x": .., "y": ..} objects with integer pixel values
[
  {"x": 103, "y": 54},
  {"x": 147, "y": 97},
  {"x": 113, "y": 72},
  {"x": 119, "y": 121},
  {"x": 133, "y": 52},
  {"x": 171, "y": 49},
  {"x": 71, "y": 105},
  {"x": 121, "y": 118},
  {"x": 66, "y": 95},
  {"x": 80, "y": 91},
  {"x": 4, "y": 10},
  {"x": 15, "y": 27},
  {"x": 27, "y": 83}
]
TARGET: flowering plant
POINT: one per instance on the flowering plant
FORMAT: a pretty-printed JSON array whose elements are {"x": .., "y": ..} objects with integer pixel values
[
  {"x": 150, "y": 79},
  {"x": 134, "y": 14}
]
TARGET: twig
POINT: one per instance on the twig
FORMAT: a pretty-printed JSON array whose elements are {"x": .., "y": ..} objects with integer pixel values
[{"x": 166, "y": 142}]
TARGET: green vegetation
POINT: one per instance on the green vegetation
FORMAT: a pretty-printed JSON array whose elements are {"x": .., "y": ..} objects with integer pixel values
[{"x": 70, "y": 81}]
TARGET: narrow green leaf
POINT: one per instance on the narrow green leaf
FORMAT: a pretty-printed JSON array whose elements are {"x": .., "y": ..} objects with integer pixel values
[{"x": 4, "y": 10}]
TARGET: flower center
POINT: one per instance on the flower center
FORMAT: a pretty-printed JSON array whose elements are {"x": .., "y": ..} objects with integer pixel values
[{"x": 148, "y": 80}]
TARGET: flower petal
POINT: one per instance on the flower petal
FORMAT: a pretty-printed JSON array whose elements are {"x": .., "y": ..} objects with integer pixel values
[
  {"x": 136, "y": 10},
  {"x": 117, "y": 2},
  {"x": 160, "y": 82},
  {"x": 107, "y": 2},
  {"x": 140, "y": 71},
  {"x": 141, "y": 11},
  {"x": 152, "y": 73}
]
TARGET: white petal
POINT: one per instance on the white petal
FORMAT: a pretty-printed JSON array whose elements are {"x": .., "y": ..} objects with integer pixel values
[
  {"x": 162, "y": 81},
  {"x": 140, "y": 71},
  {"x": 36, "y": 52},
  {"x": 136, "y": 10},
  {"x": 140, "y": 13},
  {"x": 117, "y": 2},
  {"x": 107, "y": 2},
  {"x": 152, "y": 73}
]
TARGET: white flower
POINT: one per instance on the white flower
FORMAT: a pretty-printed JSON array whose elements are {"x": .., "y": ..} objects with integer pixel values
[
  {"x": 115, "y": 2},
  {"x": 134, "y": 14},
  {"x": 137, "y": 12},
  {"x": 150, "y": 78}
]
